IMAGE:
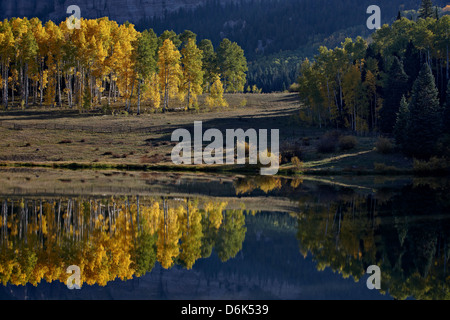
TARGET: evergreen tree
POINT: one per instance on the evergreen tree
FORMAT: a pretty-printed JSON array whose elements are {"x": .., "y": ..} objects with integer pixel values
[
  {"x": 232, "y": 66},
  {"x": 209, "y": 62},
  {"x": 401, "y": 124},
  {"x": 186, "y": 36},
  {"x": 425, "y": 123},
  {"x": 411, "y": 63},
  {"x": 172, "y": 36},
  {"x": 395, "y": 87},
  {"x": 145, "y": 59},
  {"x": 426, "y": 9},
  {"x": 447, "y": 111}
]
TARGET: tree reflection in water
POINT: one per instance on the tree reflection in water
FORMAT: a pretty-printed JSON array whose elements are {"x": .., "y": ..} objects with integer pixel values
[
  {"x": 406, "y": 233},
  {"x": 404, "y": 229},
  {"x": 111, "y": 238}
]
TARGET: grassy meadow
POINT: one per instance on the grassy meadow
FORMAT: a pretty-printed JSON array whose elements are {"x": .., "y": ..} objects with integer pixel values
[{"x": 115, "y": 139}]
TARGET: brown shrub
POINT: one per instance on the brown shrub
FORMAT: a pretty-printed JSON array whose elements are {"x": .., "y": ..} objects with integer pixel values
[
  {"x": 347, "y": 143},
  {"x": 328, "y": 142},
  {"x": 288, "y": 150},
  {"x": 384, "y": 145}
]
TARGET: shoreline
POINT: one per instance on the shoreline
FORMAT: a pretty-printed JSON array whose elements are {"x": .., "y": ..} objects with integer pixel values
[{"x": 284, "y": 170}]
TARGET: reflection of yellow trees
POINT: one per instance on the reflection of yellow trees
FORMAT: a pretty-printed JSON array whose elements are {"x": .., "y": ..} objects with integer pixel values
[
  {"x": 192, "y": 234},
  {"x": 214, "y": 211},
  {"x": 264, "y": 183},
  {"x": 168, "y": 236},
  {"x": 108, "y": 239}
]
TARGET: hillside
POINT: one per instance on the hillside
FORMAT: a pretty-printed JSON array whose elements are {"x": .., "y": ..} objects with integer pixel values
[
  {"x": 275, "y": 34},
  {"x": 119, "y": 10}
]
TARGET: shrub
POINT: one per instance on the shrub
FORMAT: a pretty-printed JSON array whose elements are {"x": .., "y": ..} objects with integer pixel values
[
  {"x": 289, "y": 150},
  {"x": 296, "y": 163},
  {"x": 347, "y": 142},
  {"x": 383, "y": 168},
  {"x": 328, "y": 142},
  {"x": 384, "y": 145},
  {"x": 434, "y": 166}
]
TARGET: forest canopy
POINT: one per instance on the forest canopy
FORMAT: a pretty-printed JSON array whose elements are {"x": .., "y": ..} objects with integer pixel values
[
  {"x": 57, "y": 65},
  {"x": 360, "y": 85}
]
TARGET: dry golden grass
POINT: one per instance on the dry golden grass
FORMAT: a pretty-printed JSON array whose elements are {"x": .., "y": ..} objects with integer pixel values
[
  {"x": 85, "y": 138},
  {"x": 110, "y": 140}
]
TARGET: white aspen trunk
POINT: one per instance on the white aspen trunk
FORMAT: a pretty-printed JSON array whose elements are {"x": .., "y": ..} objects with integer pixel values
[
  {"x": 5, "y": 85},
  {"x": 139, "y": 98}
]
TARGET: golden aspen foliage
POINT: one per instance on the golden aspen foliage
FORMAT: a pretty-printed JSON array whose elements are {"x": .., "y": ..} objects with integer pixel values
[
  {"x": 170, "y": 72},
  {"x": 191, "y": 234},
  {"x": 215, "y": 98},
  {"x": 192, "y": 80}
]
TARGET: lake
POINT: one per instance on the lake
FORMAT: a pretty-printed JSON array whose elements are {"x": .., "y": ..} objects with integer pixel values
[{"x": 166, "y": 236}]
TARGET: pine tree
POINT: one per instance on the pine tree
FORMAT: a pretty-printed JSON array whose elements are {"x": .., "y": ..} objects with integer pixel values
[
  {"x": 411, "y": 63},
  {"x": 172, "y": 36},
  {"x": 401, "y": 124},
  {"x": 232, "y": 65},
  {"x": 145, "y": 59},
  {"x": 426, "y": 9},
  {"x": 447, "y": 110},
  {"x": 395, "y": 87},
  {"x": 209, "y": 62},
  {"x": 186, "y": 36},
  {"x": 425, "y": 125}
]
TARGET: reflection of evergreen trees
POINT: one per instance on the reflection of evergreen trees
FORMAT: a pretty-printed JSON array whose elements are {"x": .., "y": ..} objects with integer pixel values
[{"x": 407, "y": 235}]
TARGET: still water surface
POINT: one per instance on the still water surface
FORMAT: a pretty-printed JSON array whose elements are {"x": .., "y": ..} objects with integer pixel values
[{"x": 173, "y": 236}]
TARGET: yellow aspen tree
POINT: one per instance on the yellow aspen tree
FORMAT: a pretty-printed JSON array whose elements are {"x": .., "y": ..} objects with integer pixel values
[
  {"x": 215, "y": 97},
  {"x": 6, "y": 56},
  {"x": 126, "y": 66},
  {"x": 54, "y": 52},
  {"x": 192, "y": 82},
  {"x": 350, "y": 83},
  {"x": 170, "y": 71},
  {"x": 153, "y": 94}
]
